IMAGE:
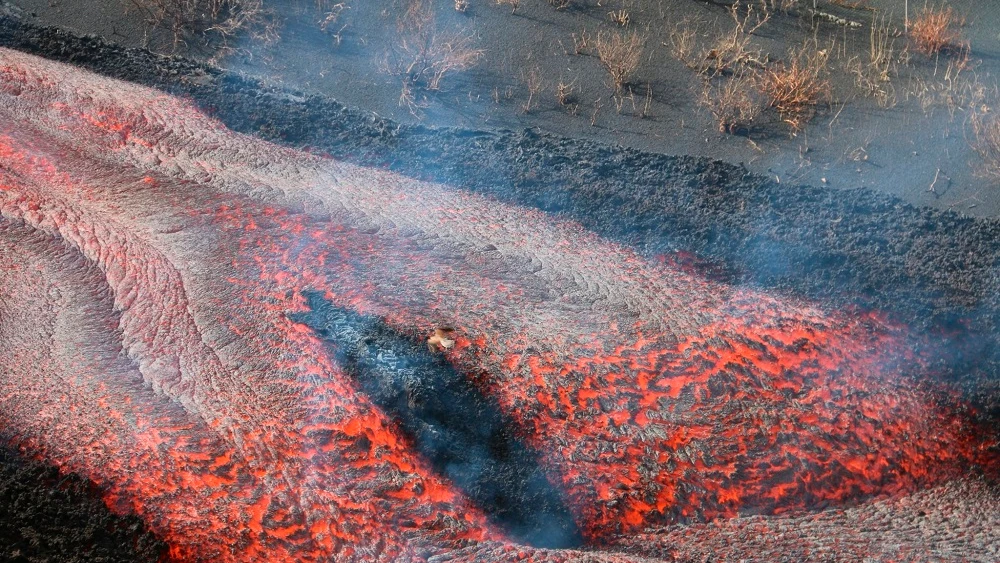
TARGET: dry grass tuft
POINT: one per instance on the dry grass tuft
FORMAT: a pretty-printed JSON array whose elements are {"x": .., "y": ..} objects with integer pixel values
[
  {"x": 734, "y": 103},
  {"x": 873, "y": 74},
  {"x": 581, "y": 43},
  {"x": 795, "y": 88},
  {"x": 220, "y": 18},
  {"x": 620, "y": 53},
  {"x": 684, "y": 41},
  {"x": 733, "y": 49},
  {"x": 783, "y": 6},
  {"x": 536, "y": 84},
  {"x": 566, "y": 92},
  {"x": 957, "y": 89},
  {"x": 986, "y": 143},
  {"x": 440, "y": 54},
  {"x": 934, "y": 30},
  {"x": 620, "y": 17},
  {"x": 331, "y": 24}
]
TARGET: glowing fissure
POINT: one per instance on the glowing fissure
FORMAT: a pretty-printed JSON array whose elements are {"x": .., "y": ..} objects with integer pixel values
[{"x": 153, "y": 268}]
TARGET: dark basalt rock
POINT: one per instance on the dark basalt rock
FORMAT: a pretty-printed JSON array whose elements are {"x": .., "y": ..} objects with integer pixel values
[{"x": 48, "y": 517}]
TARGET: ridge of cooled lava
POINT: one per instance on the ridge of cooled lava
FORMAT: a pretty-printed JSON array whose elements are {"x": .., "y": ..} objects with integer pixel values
[{"x": 222, "y": 334}]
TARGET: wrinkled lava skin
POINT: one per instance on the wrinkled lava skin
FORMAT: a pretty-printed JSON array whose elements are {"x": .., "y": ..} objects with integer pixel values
[{"x": 152, "y": 262}]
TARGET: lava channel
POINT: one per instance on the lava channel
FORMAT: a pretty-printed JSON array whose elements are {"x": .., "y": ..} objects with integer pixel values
[{"x": 168, "y": 288}]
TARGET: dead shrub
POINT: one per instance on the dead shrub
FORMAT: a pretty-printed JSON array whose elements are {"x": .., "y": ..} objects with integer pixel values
[
  {"x": 425, "y": 55},
  {"x": 408, "y": 100},
  {"x": 854, "y": 4},
  {"x": 783, "y": 6},
  {"x": 418, "y": 15},
  {"x": 331, "y": 15},
  {"x": 934, "y": 30},
  {"x": 566, "y": 92},
  {"x": 620, "y": 53},
  {"x": 734, "y": 102},
  {"x": 620, "y": 17},
  {"x": 796, "y": 87},
  {"x": 581, "y": 43},
  {"x": 874, "y": 75},
  {"x": 222, "y": 19},
  {"x": 733, "y": 49},
  {"x": 986, "y": 143},
  {"x": 683, "y": 41},
  {"x": 331, "y": 24},
  {"x": 956, "y": 89}
]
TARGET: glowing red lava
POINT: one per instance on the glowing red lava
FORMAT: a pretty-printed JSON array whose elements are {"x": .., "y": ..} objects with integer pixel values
[{"x": 150, "y": 262}]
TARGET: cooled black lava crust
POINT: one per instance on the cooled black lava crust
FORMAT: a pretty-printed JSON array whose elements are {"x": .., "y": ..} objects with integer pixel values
[{"x": 46, "y": 517}]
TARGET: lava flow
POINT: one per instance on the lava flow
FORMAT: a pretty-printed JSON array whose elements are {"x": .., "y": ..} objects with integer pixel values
[{"x": 165, "y": 288}]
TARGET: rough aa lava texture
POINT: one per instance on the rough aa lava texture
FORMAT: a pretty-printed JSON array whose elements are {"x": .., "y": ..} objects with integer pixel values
[
  {"x": 169, "y": 289},
  {"x": 52, "y": 517}
]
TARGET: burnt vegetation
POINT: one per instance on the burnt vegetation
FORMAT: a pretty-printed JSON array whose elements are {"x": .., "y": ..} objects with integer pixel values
[
  {"x": 219, "y": 20},
  {"x": 843, "y": 54}
]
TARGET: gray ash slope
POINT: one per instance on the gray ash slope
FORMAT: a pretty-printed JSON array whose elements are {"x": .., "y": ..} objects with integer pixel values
[{"x": 935, "y": 270}]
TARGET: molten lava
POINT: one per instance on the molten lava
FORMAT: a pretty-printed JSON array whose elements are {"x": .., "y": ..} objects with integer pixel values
[{"x": 157, "y": 270}]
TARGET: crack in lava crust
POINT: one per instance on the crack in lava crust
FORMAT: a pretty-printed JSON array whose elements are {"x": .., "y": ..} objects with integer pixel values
[{"x": 153, "y": 263}]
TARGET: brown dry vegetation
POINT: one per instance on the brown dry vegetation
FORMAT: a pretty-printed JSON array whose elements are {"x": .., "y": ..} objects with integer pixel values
[
  {"x": 566, "y": 92},
  {"x": 330, "y": 22},
  {"x": 783, "y": 6},
  {"x": 514, "y": 4},
  {"x": 796, "y": 87},
  {"x": 735, "y": 103},
  {"x": 536, "y": 84},
  {"x": 874, "y": 72},
  {"x": 223, "y": 19},
  {"x": 684, "y": 43},
  {"x": 620, "y": 53},
  {"x": 935, "y": 29},
  {"x": 425, "y": 54},
  {"x": 733, "y": 49},
  {"x": 620, "y": 17},
  {"x": 740, "y": 82}
]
